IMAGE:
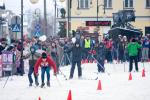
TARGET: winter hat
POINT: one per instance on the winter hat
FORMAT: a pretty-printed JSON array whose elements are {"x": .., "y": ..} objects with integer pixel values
[
  {"x": 133, "y": 40},
  {"x": 32, "y": 47},
  {"x": 10, "y": 48},
  {"x": 77, "y": 42},
  {"x": 44, "y": 55}
]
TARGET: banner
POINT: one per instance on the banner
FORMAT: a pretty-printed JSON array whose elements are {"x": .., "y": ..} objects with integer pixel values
[
  {"x": 7, "y": 57},
  {"x": 0, "y": 66},
  {"x": 7, "y": 60}
]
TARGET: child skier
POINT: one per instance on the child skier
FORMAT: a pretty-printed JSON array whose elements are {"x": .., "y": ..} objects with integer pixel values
[
  {"x": 45, "y": 62},
  {"x": 101, "y": 57}
]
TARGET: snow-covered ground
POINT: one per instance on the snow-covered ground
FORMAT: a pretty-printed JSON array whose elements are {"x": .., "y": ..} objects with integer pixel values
[{"x": 115, "y": 85}]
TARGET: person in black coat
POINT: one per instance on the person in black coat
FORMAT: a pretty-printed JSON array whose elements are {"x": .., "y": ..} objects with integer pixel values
[
  {"x": 101, "y": 57},
  {"x": 76, "y": 59},
  {"x": 2, "y": 47}
]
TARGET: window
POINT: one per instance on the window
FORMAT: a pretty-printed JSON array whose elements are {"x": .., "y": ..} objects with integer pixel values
[
  {"x": 147, "y": 3},
  {"x": 84, "y": 4},
  {"x": 128, "y": 4},
  {"x": 108, "y": 3},
  {"x": 147, "y": 30}
]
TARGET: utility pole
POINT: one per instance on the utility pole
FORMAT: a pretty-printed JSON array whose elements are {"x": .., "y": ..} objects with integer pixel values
[
  {"x": 21, "y": 59},
  {"x": 97, "y": 10},
  {"x": 68, "y": 16},
  {"x": 45, "y": 19},
  {"x": 55, "y": 19}
]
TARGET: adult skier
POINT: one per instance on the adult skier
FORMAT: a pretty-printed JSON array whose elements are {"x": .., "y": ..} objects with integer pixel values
[
  {"x": 101, "y": 57},
  {"x": 76, "y": 59}
]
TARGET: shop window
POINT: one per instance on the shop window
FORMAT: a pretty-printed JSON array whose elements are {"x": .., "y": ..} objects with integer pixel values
[{"x": 147, "y": 30}]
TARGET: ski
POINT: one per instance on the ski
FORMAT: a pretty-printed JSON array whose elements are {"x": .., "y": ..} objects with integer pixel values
[{"x": 96, "y": 78}]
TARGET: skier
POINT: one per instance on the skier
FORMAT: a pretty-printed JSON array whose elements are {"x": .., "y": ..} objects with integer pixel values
[
  {"x": 76, "y": 59},
  {"x": 133, "y": 54},
  {"x": 45, "y": 62},
  {"x": 33, "y": 56},
  {"x": 101, "y": 57}
]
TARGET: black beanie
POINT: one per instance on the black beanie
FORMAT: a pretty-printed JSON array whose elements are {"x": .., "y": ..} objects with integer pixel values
[
  {"x": 133, "y": 40},
  {"x": 44, "y": 55}
]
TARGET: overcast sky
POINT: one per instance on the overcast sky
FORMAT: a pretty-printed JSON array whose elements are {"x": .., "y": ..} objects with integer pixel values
[{"x": 15, "y": 5}]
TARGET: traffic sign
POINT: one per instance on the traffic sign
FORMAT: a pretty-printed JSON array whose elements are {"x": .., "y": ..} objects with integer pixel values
[
  {"x": 37, "y": 30},
  {"x": 37, "y": 33},
  {"x": 15, "y": 27},
  {"x": 37, "y": 27}
]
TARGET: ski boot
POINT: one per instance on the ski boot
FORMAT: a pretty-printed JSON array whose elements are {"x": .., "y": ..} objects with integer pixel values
[
  {"x": 42, "y": 85},
  {"x": 30, "y": 84},
  {"x": 48, "y": 84},
  {"x": 37, "y": 83}
]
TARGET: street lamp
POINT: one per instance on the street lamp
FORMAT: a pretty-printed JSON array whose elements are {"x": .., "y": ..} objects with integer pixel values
[
  {"x": 34, "y": 1},
  {"x": 98, "y": 9}
]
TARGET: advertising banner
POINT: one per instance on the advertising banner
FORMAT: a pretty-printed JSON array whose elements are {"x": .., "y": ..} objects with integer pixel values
[{"x": 7, "y": 60}]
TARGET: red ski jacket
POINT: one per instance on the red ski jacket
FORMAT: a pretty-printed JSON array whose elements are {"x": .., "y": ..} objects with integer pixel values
[{"x": 48, "y": 62}]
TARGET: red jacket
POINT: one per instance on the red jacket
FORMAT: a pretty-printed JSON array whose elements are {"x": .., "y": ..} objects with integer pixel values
[{"x": 50, "y": 62}]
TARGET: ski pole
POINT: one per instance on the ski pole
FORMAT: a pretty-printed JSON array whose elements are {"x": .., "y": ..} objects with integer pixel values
[
  {"x": 124, "y": 67},
  {"x": 102, "y": 67},
  {"x": 6, "y": 82},
  {"x": 58, "y": 81},
  {"x": 63, "y": 74}
]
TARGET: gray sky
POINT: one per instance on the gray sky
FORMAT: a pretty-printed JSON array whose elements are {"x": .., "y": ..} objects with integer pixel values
[{"x": 15, "y": 5}]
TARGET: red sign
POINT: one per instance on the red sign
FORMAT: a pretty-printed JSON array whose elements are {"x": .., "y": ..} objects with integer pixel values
[{"x": 98, "y": 23}]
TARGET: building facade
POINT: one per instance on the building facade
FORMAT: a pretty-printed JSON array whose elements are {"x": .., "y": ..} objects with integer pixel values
[{"x": 84, "y": 11}]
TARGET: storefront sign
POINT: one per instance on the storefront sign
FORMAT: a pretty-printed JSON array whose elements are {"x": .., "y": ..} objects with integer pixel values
[{"x": 98, "y": 23}]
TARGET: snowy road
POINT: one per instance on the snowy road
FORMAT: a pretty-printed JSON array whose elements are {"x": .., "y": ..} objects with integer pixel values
[{"x": 115, "y": 86}]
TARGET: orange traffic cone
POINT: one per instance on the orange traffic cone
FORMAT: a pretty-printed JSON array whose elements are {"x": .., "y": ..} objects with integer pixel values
[
  {"x": 143, "y": 73},
  {"x": 69, "y": 95},
  {"x": 39, "y": 98},
  {"x": 130, "y": 76},
  {"x": 99, "y": 87}
]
